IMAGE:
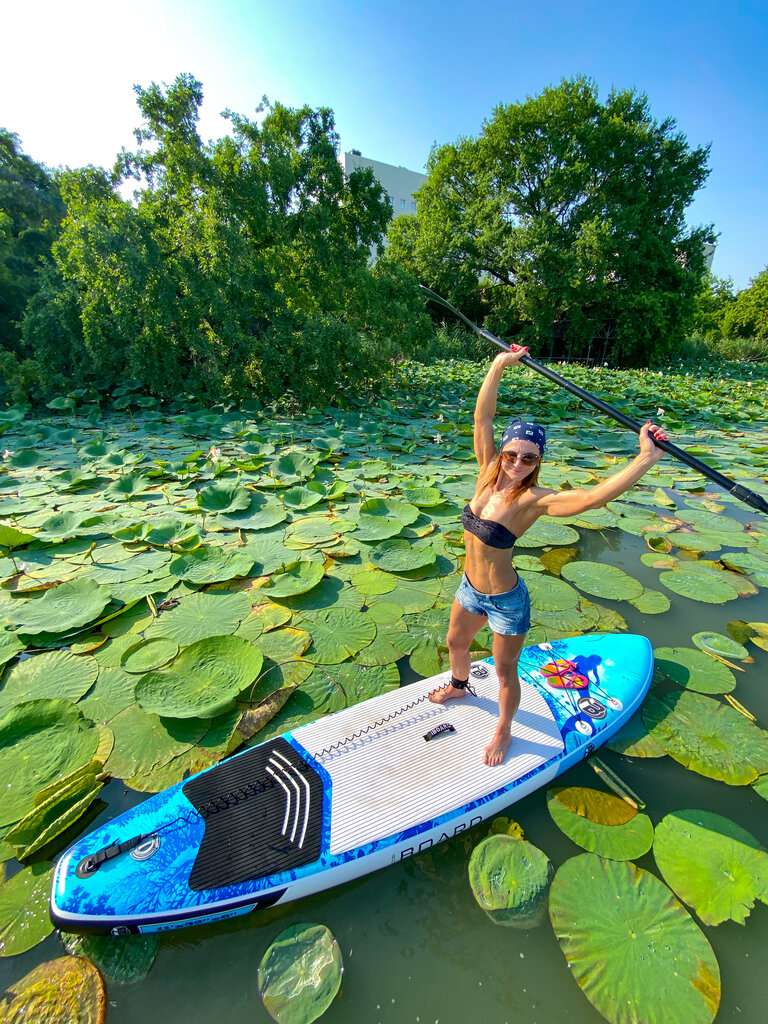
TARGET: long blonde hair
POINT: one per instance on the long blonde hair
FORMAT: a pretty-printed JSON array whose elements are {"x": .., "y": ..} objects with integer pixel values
[{"x": 488, "y": 477}]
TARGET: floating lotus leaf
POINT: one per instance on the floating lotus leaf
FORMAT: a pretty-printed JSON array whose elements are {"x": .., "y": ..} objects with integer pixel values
[
  {"x": 761, "y": 787},
  {"x": 50, "y": 674},
  {"x": 694, "y": 541},
  {"x": 302, "y": 497},
  {"x": 55, "y": 808},
  {"x": 659, "y": 561},
  {"x": 10, "y": 646},
  {"x": 709, "y": 521},
  {"x": 203, "y": 680},
  {"x": 283, "y": 644},
  {"x": 300, "y": 974},
  {"x": 694, "y": 670},
  {"x": 694, "y": 585},
  {"x": 334, "y": 687},
  {"x": 24, "y": 919},
  {"x": 625, "y": 841},
  {"x": 713, "y": 864},
  {"x": 121, "y": 961},
  {"x": 708, "y": 737},
  {"x": 11, "y": 538},
  {"x": 61, "y": 609},
  {"x": 198, "y": 616},
  {"x": 337, "y": 634},
  {"x": 373, "y": 581},
  {"x": 298, "y": 578},
  {"x": 595, "y": 804},
  {"x": 223, "y": 497},
  {"x": 69, "y": 990},
  {"x": 146, "y": 655},
  {"x": 40, "y": 741},
  {"x": 386, "y": 613},
  {"x": 429, "y": 654},
  {"x": 262, "y": 513},
  {"x": 402, "y": 555},
  {"x": 381, "y": 518},
  {"x": 423, "y": 497},
  {"x": 549, "y": 594},
  {"x": 144, "y": 741},
  {"x": 25, "y": 458},
  {"x": 755, "y": 565},
  {"x": 292, "y": 467},
  {"x": 651, "y": 602},
  {"x": 127, "y": 486},
  {"x": 113, "y": 692},
  {"x": 543, "y": 533},
  {"x": 634, "y": 740},
  {"x": 631, "y": 946},
  {"x": 262, "y": 619},
  {"x": 270, "y": 554},
  {"x": 392, "y": 643},
  {"x": 600, "y": 580},
  {"x": 509, "y": 879},
  {"x": 212, "y": 565}
]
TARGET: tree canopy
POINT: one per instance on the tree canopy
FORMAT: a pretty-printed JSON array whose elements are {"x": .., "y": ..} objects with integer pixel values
[
  {"x": 747, "y": 315},
  {"x": 240, "y": 268},
  {"x": 564, "y": 220}
]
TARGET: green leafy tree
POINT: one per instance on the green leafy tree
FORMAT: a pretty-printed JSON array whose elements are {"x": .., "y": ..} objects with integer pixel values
[
  {"x": 564, "y": 219},
  {"x": 747, "y": 316},
  {"x": 712, "y": 302},
  {"x": 30, "y": 212},
  {"x": 239, "y": 269}
]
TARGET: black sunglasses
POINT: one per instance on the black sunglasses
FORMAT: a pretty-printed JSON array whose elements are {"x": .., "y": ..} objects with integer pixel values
[{"x": 527, "y": 458}]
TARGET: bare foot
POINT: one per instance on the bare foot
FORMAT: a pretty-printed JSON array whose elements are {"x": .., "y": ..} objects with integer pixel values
[
  {"x": 446, "y": 693},
  {"x": 497, "y": 748}
]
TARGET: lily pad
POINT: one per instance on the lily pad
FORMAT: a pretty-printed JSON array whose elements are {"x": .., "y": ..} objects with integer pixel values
[
  {"x": 651, "y": 602},
  {"x": 69, "y": 990},
  {"x": 694, "y": 670},
  {"x": 708, "y": 737},
  {"x": 121, "y": 961},
  {"x": 601, "y": 580},
  {"x": 634, "y": 740},
  {"x": 509, "y": 879},
  {"x": 721, "y": 645},
  {"x": 298, "y": 578},
  {"x": 632, "y": 948},
  {"x": 50, "y": 674},
  {"x": 403, "y": 555},
  {"x": 24, "y": 919},
  {"x": 197, "y": 616},
  {"x": 338, "y": 634},
  {"x": 212, "y": 565},
  {"x": 697, "y": 587},
  {"x": 221, "y": 497},
  {"x": 300, "y": 974},
  {"x": 588, "y": 820},
  {"x": 61, "y": 609},
  {"x": 712, "y": 864},
  {"x": 146, "y": 655},
  {"x": 203, "y": 681}
]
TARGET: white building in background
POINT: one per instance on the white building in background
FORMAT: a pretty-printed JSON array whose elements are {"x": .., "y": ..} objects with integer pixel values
[
  {"x": 399, "y": 183},
  {"x": 709, "y": 252}
]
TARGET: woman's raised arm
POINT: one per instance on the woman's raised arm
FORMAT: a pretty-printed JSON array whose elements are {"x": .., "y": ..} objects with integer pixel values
[
  {"x": 571, "y": 503},
  {"x": 485, "y": 406}
]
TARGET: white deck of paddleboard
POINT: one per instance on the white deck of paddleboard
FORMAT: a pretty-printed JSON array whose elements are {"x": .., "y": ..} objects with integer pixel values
[{"x": 391, "y": 778}]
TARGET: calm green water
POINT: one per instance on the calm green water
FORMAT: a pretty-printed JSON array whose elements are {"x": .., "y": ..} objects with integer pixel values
[{"x": 416, "y": 947}]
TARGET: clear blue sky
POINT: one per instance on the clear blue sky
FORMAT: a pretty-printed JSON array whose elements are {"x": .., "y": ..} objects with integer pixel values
[{"x": 401, "y": 76}]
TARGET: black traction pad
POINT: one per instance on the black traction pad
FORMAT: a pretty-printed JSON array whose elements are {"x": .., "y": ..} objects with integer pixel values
[{"x": 263, "y": 813}]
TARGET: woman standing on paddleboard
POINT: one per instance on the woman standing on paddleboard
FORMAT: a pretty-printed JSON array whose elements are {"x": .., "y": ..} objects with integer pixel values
[{"x": 506, "y": 502}]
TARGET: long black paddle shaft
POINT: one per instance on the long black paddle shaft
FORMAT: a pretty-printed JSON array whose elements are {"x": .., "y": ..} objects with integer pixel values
[{"x": 742, "y": 493}]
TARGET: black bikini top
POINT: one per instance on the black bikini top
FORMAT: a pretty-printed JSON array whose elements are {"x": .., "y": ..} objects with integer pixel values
[{"x": 488, "y": 530}]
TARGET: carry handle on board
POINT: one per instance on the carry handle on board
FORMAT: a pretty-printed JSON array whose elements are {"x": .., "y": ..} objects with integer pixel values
[{"x": 737, "y": 490}]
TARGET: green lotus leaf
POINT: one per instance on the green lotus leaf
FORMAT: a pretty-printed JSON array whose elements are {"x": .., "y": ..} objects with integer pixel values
[
  {"x": 338, "y": 634},
  {"x": 651, "y": 602},
  {"x": 40, "y": 740},
  {"x": 51, "y": 674},
  {"x": 631, "y": 946},
  {"x": 262, "y": 513},
  {"x": 298, "y": 578},
  {"x": 634, "y": 740},
  {"x": 712, "y": 864},
  {"x": 113, "y": 692},
  {"x": 373, "y": 581},
  {"x": 121, "y": 961},
  {"x": 532, "y": 563},
  {"x": 197, "y": 616},
  {"x": 127, "y": 486},
  {"x": 334, "y": 687},
  {"x": 755, "y": 565},
  {"x": 313, "y": 531},
  {"x": 709, "y": 521},
  {"x": 146, "y": 655},
  {"x": 381, "y": 518},
  {"x": 25, "y": 458},
  {"x": 292, "y": 467},
  {"x": 10, "y": 646},
  {"x": 300, "y": 974},
  {"x": 281, "y": 645},
  {"x": 429, "y": 654},
  {"x": 694, "y": 541},
  {"x": 11, "y": 538},
  {"x": 549, "y": 594},
  {"x": 392, "y": 643},
  {"x": 68, "y": 990},
  {"x": 212, "y": 565},
  {"x": 543, "y": 533},
  {"x": 708, "y": 737},
  {"x": 170, "y": 532},
  {"x": 423, "y": 497},
  {"x": 625, "y": 841},
  {"x": 720, "y": 645},
  {"x": 694, "y": 670},
  {"x": 509, "y": 879},
  {"x": 402, "y": 555},
  {"x": 203, "y": 680},
  {"x": 60, "y": 609},
  {"x": 271, "y": 555},
  {"x": 223, "y": 497},
  {"x": 24, "y": 919},
  {"x": 144, "y": 741},
  {"x": 599, "y": 807},
  {"x": 302, "y": 497},
  {"x": 694, "y": 585},
  {"x": 263, "y": 618},
  {"x": 600, "y": 580},
  {"x": 761, "y": 787}
]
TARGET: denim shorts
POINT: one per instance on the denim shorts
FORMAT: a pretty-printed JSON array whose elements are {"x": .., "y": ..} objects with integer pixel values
[{"x": 508, "y": 613}]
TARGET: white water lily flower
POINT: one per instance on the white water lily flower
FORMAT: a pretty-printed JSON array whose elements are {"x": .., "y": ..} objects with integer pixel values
[
  {"x": 214, "y": 454},
  {"x": 659, "y": 411},
  {"x": 7, "y": 454},
  {"x": 438, "y": 438}
]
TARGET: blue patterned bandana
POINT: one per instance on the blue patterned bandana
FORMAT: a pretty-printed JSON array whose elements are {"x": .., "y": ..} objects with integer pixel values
[{"x": 521, "y": 430}]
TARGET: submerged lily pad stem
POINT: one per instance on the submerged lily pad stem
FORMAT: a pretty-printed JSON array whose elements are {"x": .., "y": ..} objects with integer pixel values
[
  {"x": 738, "y": 706},
  {"x": 612, "y": 780}
]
